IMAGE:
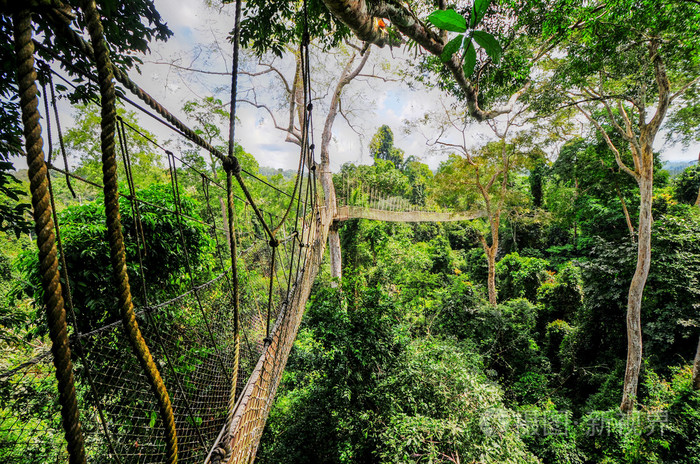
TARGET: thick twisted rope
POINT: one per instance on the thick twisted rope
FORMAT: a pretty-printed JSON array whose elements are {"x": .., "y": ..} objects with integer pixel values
[
  {"x": 46, "y": 240},
  {"x": 114, "y": 228}
]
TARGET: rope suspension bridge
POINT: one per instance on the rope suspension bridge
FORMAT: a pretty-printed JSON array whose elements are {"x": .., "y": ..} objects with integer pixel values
[
  {"x": 176, "y": 369},
  {"x": 361, "y": 200}
]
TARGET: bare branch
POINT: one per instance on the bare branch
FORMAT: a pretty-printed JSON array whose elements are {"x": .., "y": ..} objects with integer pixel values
[
  {"x": 187, "y": 68},
  {"x": 381, "y": 78},
  {"x": 612, "y": 146},
  {"x": 347, "y": 120},
  {"x": 293, "y": 135},
  {"x": 686, "y": 86}
]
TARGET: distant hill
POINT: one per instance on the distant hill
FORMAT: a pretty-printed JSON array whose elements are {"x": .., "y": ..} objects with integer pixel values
[
  {"x": 676, "y": 167},
  {"x": 288, "y": 174}
]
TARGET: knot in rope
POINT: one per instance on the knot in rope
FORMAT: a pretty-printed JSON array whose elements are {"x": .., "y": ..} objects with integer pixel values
[
  {"x": 274, "y": 242},
  {"x": 219, "y": 454},
  {"x": 231, "y": 164}
]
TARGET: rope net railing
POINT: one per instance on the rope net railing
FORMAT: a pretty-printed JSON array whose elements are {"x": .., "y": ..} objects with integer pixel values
[
  {"x": 218, "y": 264},
  {"x": 356, "y": 198},
  {"x": 355, "y": 191}
]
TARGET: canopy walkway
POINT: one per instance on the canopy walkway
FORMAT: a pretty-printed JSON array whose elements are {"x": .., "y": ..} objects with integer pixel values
[
  {"x": 174, "y": 366},
  {"x": 360, "y": 212},
  {"x": 357, "y": 198}
]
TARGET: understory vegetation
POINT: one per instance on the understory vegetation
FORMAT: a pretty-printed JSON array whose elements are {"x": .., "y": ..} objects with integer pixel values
[{"x": 406, "y": 360}]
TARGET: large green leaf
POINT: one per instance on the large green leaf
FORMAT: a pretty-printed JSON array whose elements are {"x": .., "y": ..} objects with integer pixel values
[
  {"x": 449, "y": 20},
  {"x": 480, "y": 7},
  {"x": 469, "y": 59},
  {"x": 489, "y": 43},
  {"x": 451, "y": 48}
]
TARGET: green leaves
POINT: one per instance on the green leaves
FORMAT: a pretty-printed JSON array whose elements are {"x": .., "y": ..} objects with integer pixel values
[
  {"x": 451, "y": 48},
  {"x": 469, "y": 59},
  {"x": 452, "y": 21},
  {"x": 478, "y": 12},
  {"x": 489, "y": 44},
  {"x": 448, "y": 20}
]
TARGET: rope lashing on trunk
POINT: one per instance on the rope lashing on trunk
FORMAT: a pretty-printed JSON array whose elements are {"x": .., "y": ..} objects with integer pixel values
[
  {"x": 114, "y": 228},
  {"x": 46, "y": 240}
]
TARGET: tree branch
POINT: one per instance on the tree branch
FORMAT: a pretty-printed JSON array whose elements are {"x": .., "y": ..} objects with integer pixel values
[
  {"x": 686, "y": 86},
  {"x": 293, "y": 136},
  {"x": 612, "y": 146}
]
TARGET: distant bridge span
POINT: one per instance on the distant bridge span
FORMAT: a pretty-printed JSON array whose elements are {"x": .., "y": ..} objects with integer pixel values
[{"x": 360, "y": 212}]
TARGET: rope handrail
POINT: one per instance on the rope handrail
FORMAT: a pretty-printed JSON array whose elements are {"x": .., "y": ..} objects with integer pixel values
[
  {"x": 46, "y": 241},
  {"x": 114, "y": 227}
]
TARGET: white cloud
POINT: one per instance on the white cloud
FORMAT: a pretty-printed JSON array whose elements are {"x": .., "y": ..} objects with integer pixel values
[{"x": 370, "y": 102}]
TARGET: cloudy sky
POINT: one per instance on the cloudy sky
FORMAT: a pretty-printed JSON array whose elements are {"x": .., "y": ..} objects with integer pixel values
[
  {"x": 372, "y": 102},
  {"x": 199, "y": 41}
]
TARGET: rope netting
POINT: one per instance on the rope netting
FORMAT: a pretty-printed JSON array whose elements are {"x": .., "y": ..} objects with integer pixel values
[
  {"x": 353, "y": 190},
  {"x": 181, "y": 360}
]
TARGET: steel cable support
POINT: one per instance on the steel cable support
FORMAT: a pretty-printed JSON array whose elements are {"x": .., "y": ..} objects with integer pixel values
[{"x": 233, "y": 167}]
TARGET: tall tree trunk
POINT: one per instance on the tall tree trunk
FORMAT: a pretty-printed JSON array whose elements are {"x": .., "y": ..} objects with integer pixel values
[
  {"x": 634, "y": 297},
  {"x": 334, "y": 248},
  {"x": 696, "y": 369},
  {"x": 491, "y": 256},
  {"x": 491, "y": 260},
  {"x": 326, "y": 175}
]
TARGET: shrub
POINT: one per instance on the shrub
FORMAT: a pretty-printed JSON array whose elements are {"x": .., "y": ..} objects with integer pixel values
[
  {"x": 519, "y": 277},
  {"x": 562, "y": 296},
  {"x": 686, "y": 185}
]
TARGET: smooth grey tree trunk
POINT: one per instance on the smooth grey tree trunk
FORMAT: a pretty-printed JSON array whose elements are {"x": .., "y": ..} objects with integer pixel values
[
  {"x": 634, "y": 297},
  {"x": 335, "y": 252}
]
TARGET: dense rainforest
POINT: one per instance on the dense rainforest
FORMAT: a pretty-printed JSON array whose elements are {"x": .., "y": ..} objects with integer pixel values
[
  {"x": 407, "y": 361},
  {"x": 560, "y": 325}
]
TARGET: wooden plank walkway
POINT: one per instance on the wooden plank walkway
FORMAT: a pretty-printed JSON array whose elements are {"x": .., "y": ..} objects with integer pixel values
[{"x": 359, "y": 212}]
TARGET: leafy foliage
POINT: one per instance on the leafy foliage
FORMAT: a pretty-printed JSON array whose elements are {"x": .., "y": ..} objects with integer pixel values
[
  {"x": 520, "y": 277},
  {"x": 450, "y": 20},
  {"x": 83, "y": 231},
  {"x": 382, "y": 147},
  {"x": 687, "y": 185}
]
